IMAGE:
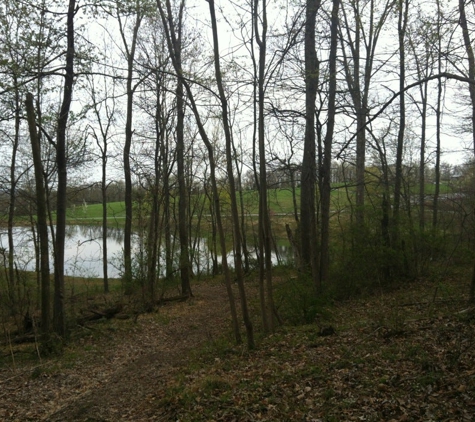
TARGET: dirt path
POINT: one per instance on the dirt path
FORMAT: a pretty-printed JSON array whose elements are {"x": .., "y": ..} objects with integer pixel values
[{"x": 123, "y": 376}]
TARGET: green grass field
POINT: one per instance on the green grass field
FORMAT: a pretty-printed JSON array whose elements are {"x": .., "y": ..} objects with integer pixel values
[
  {"x": 93, "y": 212},
  {"x": 280, "y": 202}
]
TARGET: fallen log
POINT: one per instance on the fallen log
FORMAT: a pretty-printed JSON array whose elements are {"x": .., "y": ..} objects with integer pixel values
[{"x": 95, "y": 314}]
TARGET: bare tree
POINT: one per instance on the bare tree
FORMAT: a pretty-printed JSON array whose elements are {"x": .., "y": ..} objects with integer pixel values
[
  {"x": 359, "y": 47},
  {"x": 471, "y": 75},
  {"x": 265, "y": 262},
  {"x": 232, "y": 187},
  {"x": 185, "y": 268},
  {"x": 61, "y": 163},
  {"x": 308, "y": 228},
  {"x": 468, "y": 44},
  {"x": 104, "y": 110},
  {"x": 170, "y": 36},
  {"x": 421, "y": 40},
  {"x": 326, "y": 165},
  {"x": 403, "y": 12},
  {"x": 41, "y": 216},
  {"x": 137, "y": 10}
]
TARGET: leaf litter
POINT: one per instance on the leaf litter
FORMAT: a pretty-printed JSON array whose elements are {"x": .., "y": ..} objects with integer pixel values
[{"x": 406, "y": 355}]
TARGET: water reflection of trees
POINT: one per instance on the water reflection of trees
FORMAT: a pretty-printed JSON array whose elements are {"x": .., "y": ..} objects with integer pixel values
[
  {"x": 81, "y": 237},
  {"x": 95, "y": 232}
]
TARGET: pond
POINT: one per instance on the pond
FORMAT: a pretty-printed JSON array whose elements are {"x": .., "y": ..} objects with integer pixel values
[{"x": 83, "y": 251}]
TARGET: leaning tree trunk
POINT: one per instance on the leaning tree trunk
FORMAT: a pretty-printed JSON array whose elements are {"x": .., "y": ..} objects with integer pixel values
[{"x": 232, "y": 187}]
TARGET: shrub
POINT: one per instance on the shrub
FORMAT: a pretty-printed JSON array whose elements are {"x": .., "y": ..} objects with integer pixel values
[{"x": 297, "y": 301}]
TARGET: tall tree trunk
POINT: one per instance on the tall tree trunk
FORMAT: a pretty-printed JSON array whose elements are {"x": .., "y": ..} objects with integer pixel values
[
  {"x": 185, "y": 269},
  {"x": 104, "y": 217},
  {"x": 170, "y": 35},
  {"x": 359, "y": 79},
  {"x": 59, "y": 322},
  {"x": 403, "y": 6},
  {"x": 435, "y": 203},
  {"x": 435, "y": 214},
  {"x": 232, "y": 187},
  {"x": 42, "y": 220},
  {"x": 166, "y": 211},
  {"x": 471, "y": 74},
  {"x": 423, "y": 65},
  {"x": 153, "y": 232},
  {"x": 468, "y": 43},
  {"x": 326, "y": 168},
  {"x": 265, "y": 263},
  {"x": 308, "y": 228},
  {"x": 422, "y": 157},
  {"x": 355, "y": 91},
  {"x": 102, "y": 144},
  {"x": 130, "y": 91},
  {"x": 245, "y": 250},
  {"x": 11, "y": 206}
]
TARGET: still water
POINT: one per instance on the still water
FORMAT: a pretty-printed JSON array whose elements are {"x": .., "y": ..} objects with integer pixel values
[{"x": 83, "y": 251}]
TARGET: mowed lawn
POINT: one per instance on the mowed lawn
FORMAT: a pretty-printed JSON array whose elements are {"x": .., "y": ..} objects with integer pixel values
[{"x": 280, "y": 202}]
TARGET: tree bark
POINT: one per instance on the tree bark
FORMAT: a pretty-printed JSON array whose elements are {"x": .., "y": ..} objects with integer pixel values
[
  {"x": 326, "y": 168},
  {"x": 359, "y": 82},
  {"x": 59, "y": 321},
  {"x": 13, "y": 192},
  {"x": 232, "y": 188},
  {"x": 471, "y": 63},
  {"x": 41, "y": 215},
  {"x": 435, "y": 213},
  {"x": 102, "y": 144},
  {"x": 471, "y": 74},
  {"x": 403, "y": 6},
  {"x": 170, "y": 35},
  {"x": 130, "y": 90},
  {"x": 308, "y": 228},
  {"x": 265, "y": 262},
  {"x": 185, "y": 268}
]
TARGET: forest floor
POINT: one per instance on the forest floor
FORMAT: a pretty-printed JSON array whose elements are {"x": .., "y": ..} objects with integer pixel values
[{"x": 404, "y": 355}]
